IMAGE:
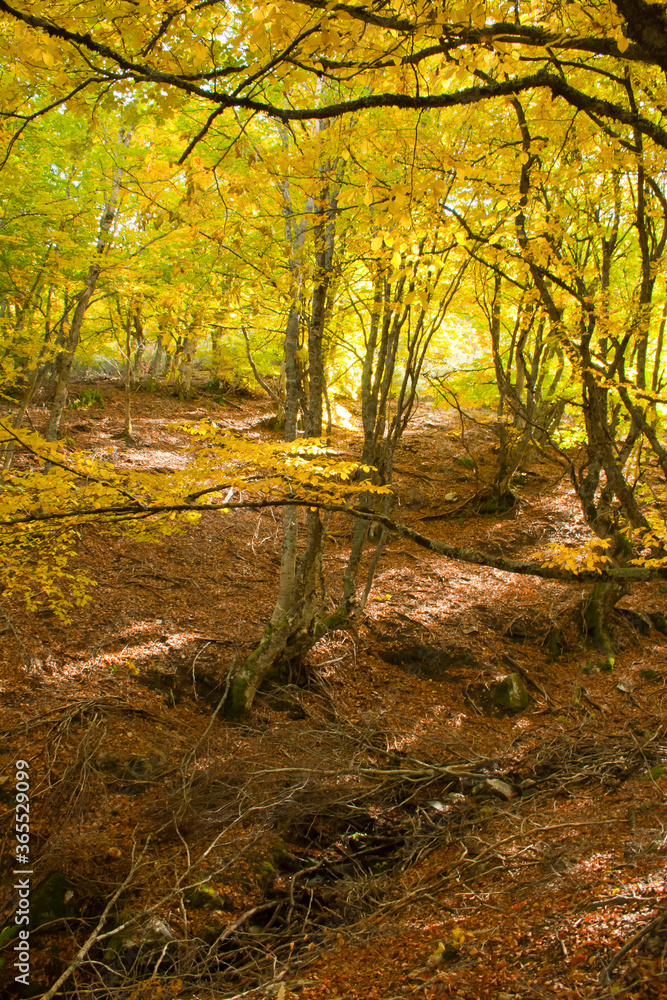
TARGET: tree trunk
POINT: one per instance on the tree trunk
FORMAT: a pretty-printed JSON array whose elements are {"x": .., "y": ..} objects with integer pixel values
[
  {"x": 140, "y": 338},
  {"x": 34, "y": 381},
  {"x": 596, "y": 610},
  {"x": 260, "y": 662},
  {"x": 298, "y": 607},
  {"x": 185, "y": 381},
  {"x": 127, "y": 423},
  {"x": 156, "y": 363}
]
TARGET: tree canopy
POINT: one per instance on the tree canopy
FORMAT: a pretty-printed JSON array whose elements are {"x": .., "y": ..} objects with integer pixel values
[{"x": 338, "y": 201}]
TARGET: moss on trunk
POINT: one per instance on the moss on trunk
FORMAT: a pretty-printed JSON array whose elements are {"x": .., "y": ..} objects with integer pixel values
[{"x": 596, "y": 611}]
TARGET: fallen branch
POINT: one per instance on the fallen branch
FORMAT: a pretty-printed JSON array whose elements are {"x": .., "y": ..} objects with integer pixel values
[
  {"x": 235, "y": 924},
  {"x": 85, "y": 948},
  {"x": 604, "y": 977}
]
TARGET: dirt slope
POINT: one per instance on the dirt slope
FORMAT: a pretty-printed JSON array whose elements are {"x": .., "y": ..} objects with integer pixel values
[{"x": 379, "y": 829}]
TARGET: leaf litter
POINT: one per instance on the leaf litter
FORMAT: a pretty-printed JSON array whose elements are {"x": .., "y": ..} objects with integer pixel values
[{"x": 351, "y": 840}]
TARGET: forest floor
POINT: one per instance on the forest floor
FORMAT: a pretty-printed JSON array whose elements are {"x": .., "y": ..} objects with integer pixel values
[{"x": 378, "y": 830}]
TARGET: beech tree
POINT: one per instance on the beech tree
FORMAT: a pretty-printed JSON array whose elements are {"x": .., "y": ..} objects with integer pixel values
[{"x": 595, "y": 263}]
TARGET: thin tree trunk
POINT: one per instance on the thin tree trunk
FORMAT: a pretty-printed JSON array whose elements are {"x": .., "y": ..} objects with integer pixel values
[
  {"x": 33, "y": 382},
  {"x": 185, "y": 386},
  {"x": 140, "y": 338},
  {"x": 127, "y": 424},
  {"x": 126, "y": 324}
]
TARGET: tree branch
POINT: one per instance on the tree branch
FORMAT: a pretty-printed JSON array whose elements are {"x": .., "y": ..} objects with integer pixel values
[
  {"x": 522, "y": 568},
  {"x": 469, "y": 95}
]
